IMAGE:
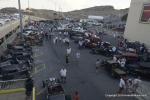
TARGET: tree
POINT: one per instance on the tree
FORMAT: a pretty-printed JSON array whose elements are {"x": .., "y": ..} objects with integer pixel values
[{"x": 124, "y": 17}]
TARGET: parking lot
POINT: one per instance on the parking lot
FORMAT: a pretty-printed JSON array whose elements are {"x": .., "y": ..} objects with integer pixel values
[
  {"x": 46, "y": 59},
  {"x": 81, "y": 77}
]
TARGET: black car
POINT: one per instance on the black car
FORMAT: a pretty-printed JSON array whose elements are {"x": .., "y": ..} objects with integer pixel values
[
  {"x": 139, "y": 69},
  {"x": 102, "y": 51}
]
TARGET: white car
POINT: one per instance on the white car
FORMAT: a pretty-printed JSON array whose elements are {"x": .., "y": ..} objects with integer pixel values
[
  {"x": 2, "y": 22},
  {"x": 27, "y": 33}
]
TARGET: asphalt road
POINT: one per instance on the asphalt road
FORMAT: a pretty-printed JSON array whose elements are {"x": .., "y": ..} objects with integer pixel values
[{"x": 81, "y": 76}]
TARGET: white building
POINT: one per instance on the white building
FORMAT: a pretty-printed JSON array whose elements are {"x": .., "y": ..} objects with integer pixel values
[
  {"x": 92, "y": 17},
  {"x": 138, "y": 25}
]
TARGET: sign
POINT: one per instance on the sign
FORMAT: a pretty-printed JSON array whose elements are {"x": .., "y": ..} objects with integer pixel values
[{"x": 146, "y": 13}]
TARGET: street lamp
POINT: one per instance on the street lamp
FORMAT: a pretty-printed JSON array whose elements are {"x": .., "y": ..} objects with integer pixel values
[
  {"x": 21, "y": 27},
  {"x": 29, "y": 11}
]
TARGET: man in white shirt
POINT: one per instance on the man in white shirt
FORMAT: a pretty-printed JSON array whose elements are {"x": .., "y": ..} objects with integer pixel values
[
  {"x": 123, "y": 62},
  {"x": 80, "y": 44},
  {"x": 97, "y": 64},
  {"x": 122, "y": 85},
  {"x": 78, "y": 55},
  {"x": 114, "y": 58},
  {"x": 63, "y": 73},
  {"x": 114, "y": 35},
  {"x": 68, "y": 51},
  {"x": 54, "y": 40},
  {"x": 114, "y": 49}
]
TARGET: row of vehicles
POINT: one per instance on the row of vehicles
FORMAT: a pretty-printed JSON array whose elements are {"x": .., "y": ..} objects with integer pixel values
[
  {"x": 137, "y": 62},
  {"x": 17, "y": 61}
]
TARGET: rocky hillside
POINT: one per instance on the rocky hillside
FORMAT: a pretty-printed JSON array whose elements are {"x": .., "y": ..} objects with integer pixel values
[
  {"x": 99, "y": 11},
  {"x": 50, "y": 14},
  {"x": 9, "y": 10}
]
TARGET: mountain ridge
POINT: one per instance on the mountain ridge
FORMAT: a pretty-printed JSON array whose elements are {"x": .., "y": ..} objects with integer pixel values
[{"x": 83, "y": 13}]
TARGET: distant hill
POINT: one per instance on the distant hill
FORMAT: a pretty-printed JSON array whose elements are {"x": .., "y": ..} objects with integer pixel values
[
  {"x": 83, "y": 13},
  {"x": 98, "y": 11},
  {"x": 48, "y": 14},
  {"x": 9, "y": 10}
]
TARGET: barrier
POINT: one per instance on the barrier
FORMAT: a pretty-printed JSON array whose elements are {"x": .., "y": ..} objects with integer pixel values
[
  {"x": 33, "y": 94},
  {"x": 11, "y": 91},
  {"x": 12, "y": 84},
  {"x": 19, "y": 90}
]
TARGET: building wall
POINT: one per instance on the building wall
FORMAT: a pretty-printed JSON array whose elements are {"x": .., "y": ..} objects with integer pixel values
[
  {"x": 135, "y": 30},
  {"x": 7, "y": 29}
]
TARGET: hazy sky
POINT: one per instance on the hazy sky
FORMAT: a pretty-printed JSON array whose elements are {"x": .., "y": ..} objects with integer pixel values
[{"x": 65, "y": 5}]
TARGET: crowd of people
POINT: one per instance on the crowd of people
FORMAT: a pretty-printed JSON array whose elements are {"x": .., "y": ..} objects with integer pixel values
[{"x": 128, "y": 85}]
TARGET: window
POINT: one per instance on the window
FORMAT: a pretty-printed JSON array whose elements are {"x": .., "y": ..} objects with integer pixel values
[{"x": 145, "y": 17}]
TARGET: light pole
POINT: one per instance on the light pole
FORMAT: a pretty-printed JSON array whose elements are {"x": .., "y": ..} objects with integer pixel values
[
  {"x": 20, "y": 14},
  {"x": 29, "y": 11}
]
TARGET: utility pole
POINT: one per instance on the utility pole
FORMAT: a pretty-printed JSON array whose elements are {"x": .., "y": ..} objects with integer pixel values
[
  {"x": 29, "y": 11},
  {"x": 20, "y": 14}
]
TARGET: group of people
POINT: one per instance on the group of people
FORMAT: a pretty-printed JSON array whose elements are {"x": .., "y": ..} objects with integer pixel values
[
  {"x": 129, "y": 86},
  {"x": 120, "y": 61}
]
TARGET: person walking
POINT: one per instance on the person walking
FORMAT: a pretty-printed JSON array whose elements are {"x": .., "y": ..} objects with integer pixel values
[
  {"x": 122, "y": 85},
  {"x": 54, "y": 40},
  {"x": 68, "y": 51},
  {"x": 80, "y": 43},
  {"x": 63, "y": 73},
  {"x": 76, "y": 96},
  {"x": 97, "y": 64},
  {"x": 77, "y": 57},
  {"x": 67, "y": 59},
  {"x": 115, "y": 58}
]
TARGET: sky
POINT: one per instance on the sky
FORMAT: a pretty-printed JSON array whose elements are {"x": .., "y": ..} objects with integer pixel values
[{"x": 65, "y": 5}]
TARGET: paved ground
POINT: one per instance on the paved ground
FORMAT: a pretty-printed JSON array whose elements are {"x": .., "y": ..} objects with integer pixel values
[
  {"x": 81, "y": 76},
  {"x": 15, "y": 96}
]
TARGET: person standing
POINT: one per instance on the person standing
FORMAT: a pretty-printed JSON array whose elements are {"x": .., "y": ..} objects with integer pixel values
[
  {"x": 77, "y": 57},
  {"x": 67, "y": 59},
  {"x": 80, "y": 43},
  {"x": 54, "y": 40},
  {"x": 114, "y": 49},
  {"x": 97, "y": 64},
  {"x": 76, "y": 96},
  {"x": 69, "y": 51},
  {"x": 63, "y": 73},
  {"x": 122, "y": 85},
  {"x": 115, "y": 58},
  {"x": 129, "y": 86},
  {"x": 136, "y": 84},
  {"x": 114, "y": 35},
  {"x": 28, "y": 87}
]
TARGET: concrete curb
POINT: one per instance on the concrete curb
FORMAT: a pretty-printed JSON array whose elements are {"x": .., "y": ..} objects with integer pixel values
[{"x": 11, "y": 91}]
